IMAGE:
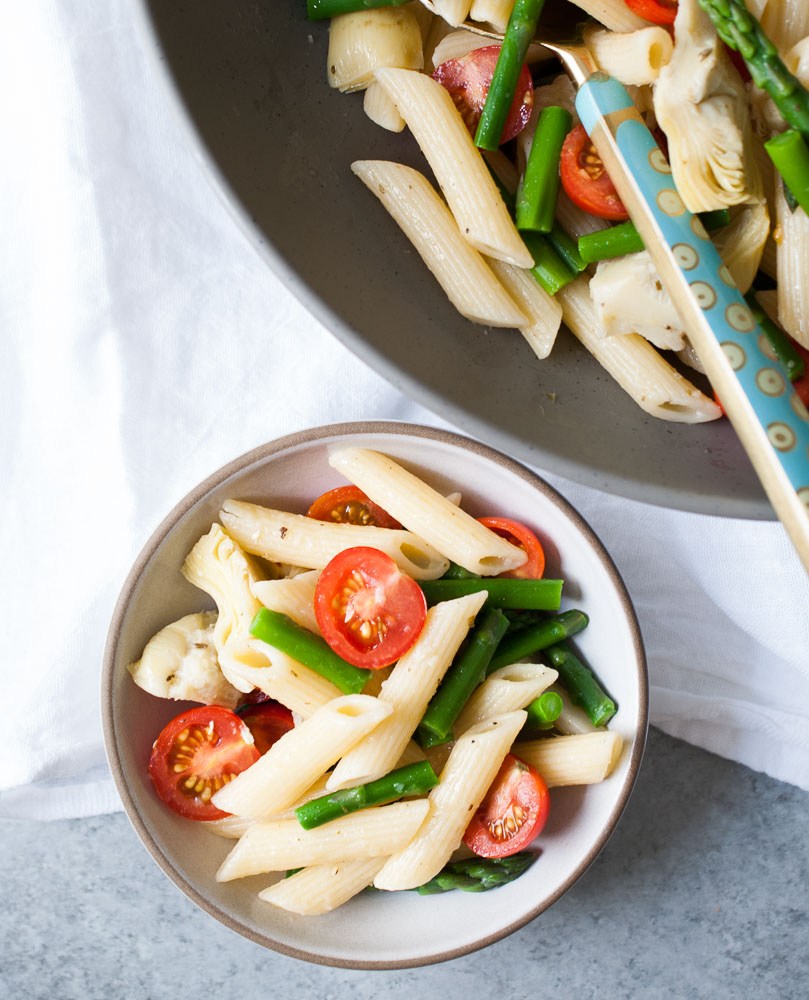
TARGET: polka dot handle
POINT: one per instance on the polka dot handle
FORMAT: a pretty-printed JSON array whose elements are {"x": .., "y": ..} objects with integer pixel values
[{"x": 754, "y": 388}]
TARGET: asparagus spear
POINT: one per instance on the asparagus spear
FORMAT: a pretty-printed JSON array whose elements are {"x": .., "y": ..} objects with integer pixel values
[
  {"x": 581, "y": 684},
  {"x": 539, "y": 595},
  {"x": 317, "y": 10},
  {"x": 478, "y": 874},
  {"x": 309, "y": 649},
  {"x": 737, "y": 28},
  {"x": 465, "y": 673},
  {"x": 412, "y": 779},
  {"x": 520, "y": 31},
  {"x": 544, "y": 710},
  {"x": 527, "y": 641}
]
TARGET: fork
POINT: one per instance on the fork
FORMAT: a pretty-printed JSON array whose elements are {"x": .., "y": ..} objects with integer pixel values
[{"x": 771, "y": 421}]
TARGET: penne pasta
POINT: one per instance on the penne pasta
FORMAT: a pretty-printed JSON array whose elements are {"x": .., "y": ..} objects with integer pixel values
[
  {"x": 259, "y": 665},
  {"x": 793, "y": 268},
  {"x": 381, "y": 109},
  {"x": 613, "y": 14},
  {"x": 303, "y": 541},
  {"x": 634, "y": 58},
  {"x": 471, "y": 194},
  {"x": 468, "y": 281},
  {"x": 301, "y": 756},
  {"x": 543, "y": 312},
  {"x": 412, "y": 502},
  {"x": 505, "y": 690},
  {"x": 454, "y": 12},
  {"x": 277, "y": 845},
  {"x": 408, "y": 690},
  {"x": 292, "y": 596},
  {"x": 637, "y": 367},
  {"x": 471, "y": 768},
  {"x": 583, "y": 759},
  {"x": 322, "y": 888}
]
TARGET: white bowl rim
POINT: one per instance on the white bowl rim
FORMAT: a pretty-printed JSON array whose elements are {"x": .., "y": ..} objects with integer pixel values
[{"x": 266, "y": 451}]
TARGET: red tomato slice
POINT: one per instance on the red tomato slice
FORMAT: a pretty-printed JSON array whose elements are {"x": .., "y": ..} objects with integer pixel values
[
  {"x": 512, "y": 814},
  {"x": 468, "y": 80},
  {"x": 267, "y": 721},
  {"x": 586, "y": 181},
  {"x": 197, "y": 753},
  {"x": 518, "y": 534},
  {"x": 369, "y": 612},
  {"x": 349, "y": 505},
  {"x": 656, "y": 11}
]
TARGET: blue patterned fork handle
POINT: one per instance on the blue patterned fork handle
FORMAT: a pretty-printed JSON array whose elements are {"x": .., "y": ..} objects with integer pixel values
[{"x": 768, "y": 416}]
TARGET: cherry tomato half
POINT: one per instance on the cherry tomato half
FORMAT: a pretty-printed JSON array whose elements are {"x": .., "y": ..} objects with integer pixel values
[
  {"x": 585, "y": 179},
  {"x": 468, "y": 79},
  {"x": 267, "y": 721},
  {"x": 512, "y": 814},
  {"x": 518, "y": 534},
  {"x": 195, "y": 755},
  {"x": 657, "y": 11},
  {"x": 349, "y": 505},
  {"x": 368, "y": 611}
]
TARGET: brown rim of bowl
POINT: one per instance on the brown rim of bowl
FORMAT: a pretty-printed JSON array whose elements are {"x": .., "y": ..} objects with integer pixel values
[{"x": 261, "y": 453}]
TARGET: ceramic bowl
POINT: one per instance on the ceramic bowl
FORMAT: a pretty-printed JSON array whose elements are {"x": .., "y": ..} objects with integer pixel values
[
  {"x": 250, "y": 78},
  {"x": 375, "y": 930}
]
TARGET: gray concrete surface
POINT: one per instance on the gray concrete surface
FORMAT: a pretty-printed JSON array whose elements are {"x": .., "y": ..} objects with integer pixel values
[{"x": 703, "y": 891}]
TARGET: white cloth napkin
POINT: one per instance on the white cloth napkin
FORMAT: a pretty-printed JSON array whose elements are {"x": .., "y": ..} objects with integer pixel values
[{"x": 134, "y": 311}]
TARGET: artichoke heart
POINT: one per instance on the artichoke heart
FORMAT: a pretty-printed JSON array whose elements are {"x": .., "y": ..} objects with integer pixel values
[
  {"x": 700, "y": 104},
  {"x": 180, "y": 663},
  {"x": 630, "y": 298}
]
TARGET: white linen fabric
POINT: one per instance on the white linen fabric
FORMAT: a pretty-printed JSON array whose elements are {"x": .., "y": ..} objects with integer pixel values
[{"x": 133, "y": 311}]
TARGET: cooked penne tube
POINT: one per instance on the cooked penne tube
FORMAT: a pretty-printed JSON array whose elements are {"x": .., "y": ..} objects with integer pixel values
[
  {"x": 471, "y": 768},
  {"x": 505, "y": 690},
  {"x": 634, "y": 58},
  {"x": 543, "y": 311},
  {"x": 454, "y": 12},
  {"x": 303, "y": 541},
  {"x": 635, "y": 365},
  {"x": 470, "y": 191},
  {"x": 217, "y": 565},
  {"x": 229, "y": 827},
  {"x": 583, "y": 759},
  {"x": 292, "y": 596},
  {"x": 367, "y": 40},
  {"x": 408, "y": 690},
  {"x": 468, "y": 281},
  {"x": 493, "y": 12},
  {"x": 412, "y": 502},
  {"x": 613, "y": 14},
  {"x": 741, "y": 244},
  {"x": 301, "y": 756},
  {"x": 322, "y": 888},
  {"x": 259, "y": 665},
  {"x": 276, "y": 845},
  {"x": 793, "y": 268},
  {"x": 381, "y": 109}
]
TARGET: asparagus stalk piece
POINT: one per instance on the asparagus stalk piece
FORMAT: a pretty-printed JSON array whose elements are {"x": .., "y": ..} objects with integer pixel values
[
  {"x": 530, "y": 640},
  {"x": 412, "y": 779},
  {"x": 790, "y": 154},
  {"x": 478, "y": 874},
  {"x": 737, "y": 28},
  {"x": 538, "y": 595},
  {"x": 539, "y": 187},
  {"x": 317, "y": 10},
  {"x": 581, "y": 684},
  {"x": 309, "y": 649},
  {"x": 520, "y": 31},
  {"x": 463, "y": 676},
  {"x": 544, "y": 710}
]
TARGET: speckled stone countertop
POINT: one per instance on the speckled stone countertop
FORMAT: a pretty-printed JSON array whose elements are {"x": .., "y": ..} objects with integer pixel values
[{"x": 703, "y": 891}]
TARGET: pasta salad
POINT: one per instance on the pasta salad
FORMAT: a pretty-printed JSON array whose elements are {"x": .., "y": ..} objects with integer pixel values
[
  {"x": 527, "y": 230},
  {"x": 386, "y": 692}
]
